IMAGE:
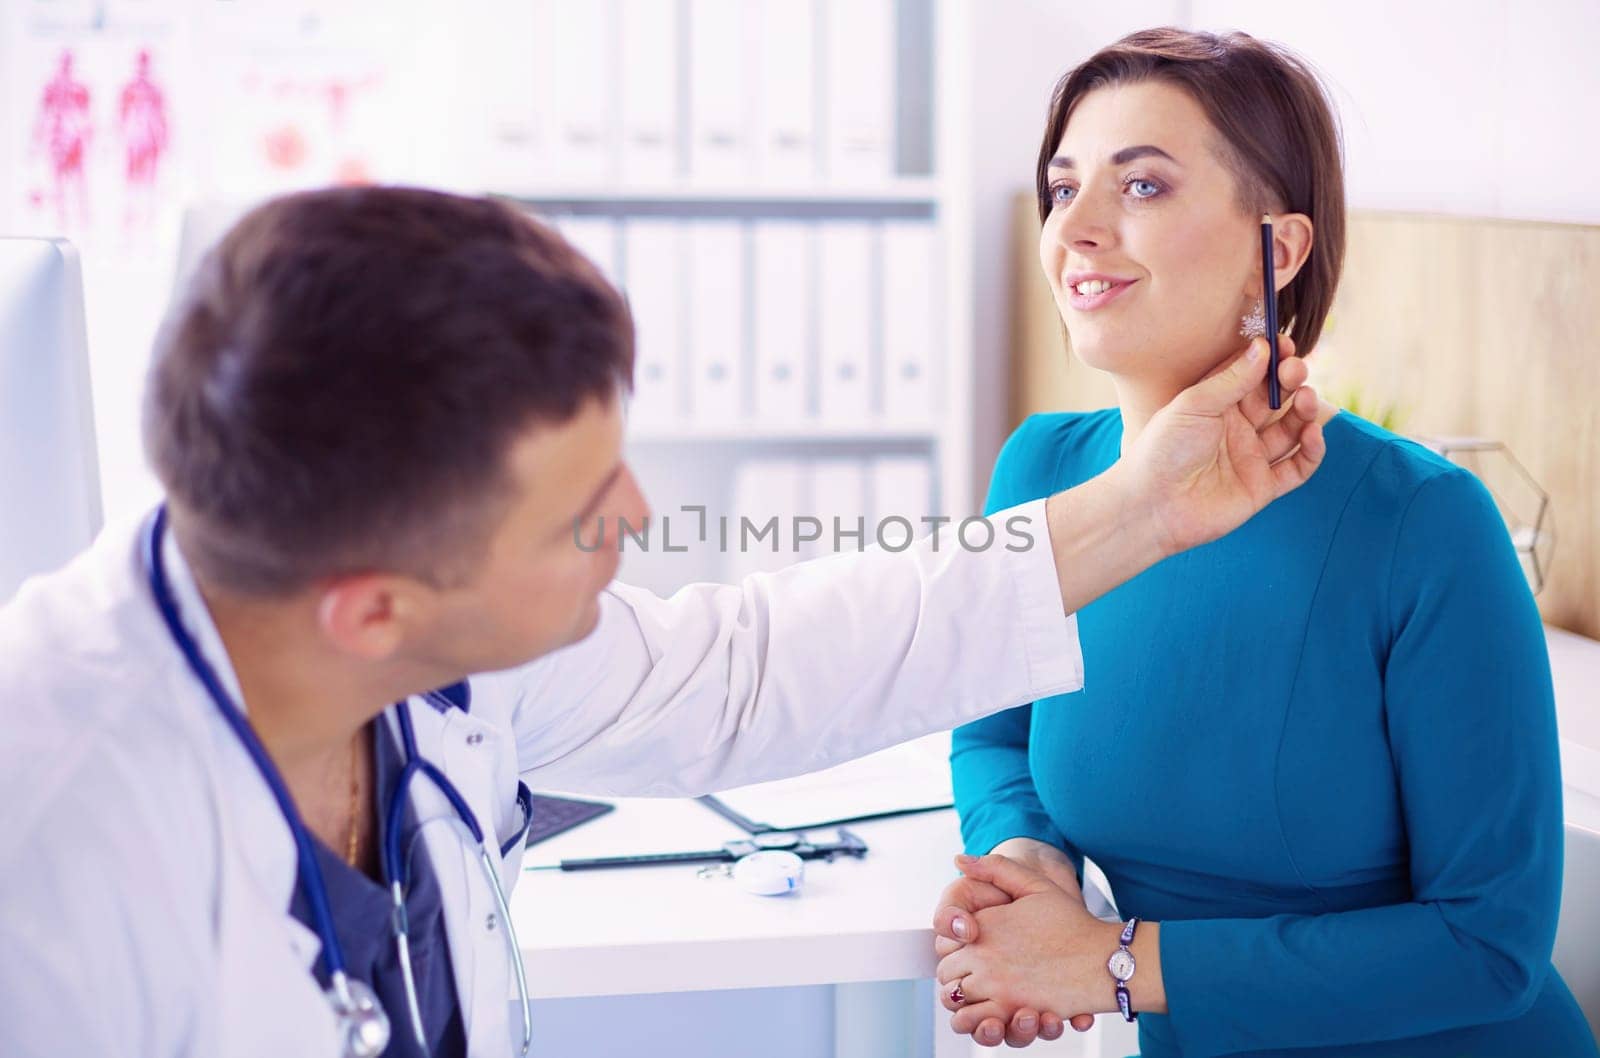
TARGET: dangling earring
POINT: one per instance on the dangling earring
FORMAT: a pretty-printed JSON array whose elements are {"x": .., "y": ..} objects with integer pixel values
[{"x": 1254, "y": 324}]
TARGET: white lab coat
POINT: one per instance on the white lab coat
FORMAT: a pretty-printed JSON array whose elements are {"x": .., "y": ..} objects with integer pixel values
[{"x": 146, "y": 874}]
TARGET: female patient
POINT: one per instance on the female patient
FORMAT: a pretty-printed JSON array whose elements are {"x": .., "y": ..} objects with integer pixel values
[{"x": 1331, "y": 792}]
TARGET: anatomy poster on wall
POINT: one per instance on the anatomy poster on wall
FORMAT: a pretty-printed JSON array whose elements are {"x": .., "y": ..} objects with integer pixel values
[
  {"x": 139, "y": 128},
  {"x": 91, "y": 90},
  {"x": 302, "y": 94}
]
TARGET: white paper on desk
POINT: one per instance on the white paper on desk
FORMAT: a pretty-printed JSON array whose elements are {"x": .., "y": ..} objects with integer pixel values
[{"x": 904, "y": 778}]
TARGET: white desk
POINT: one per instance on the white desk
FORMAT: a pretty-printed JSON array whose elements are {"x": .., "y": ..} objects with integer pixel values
[
  {"x": 1575, "y": 667},
  {"x": 662, "y": 929}
]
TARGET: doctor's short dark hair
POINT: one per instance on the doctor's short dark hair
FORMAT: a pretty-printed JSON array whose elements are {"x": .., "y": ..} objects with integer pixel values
[
  {"x": 340, "y": 384},
  {"x": 1278, "y": 136}
]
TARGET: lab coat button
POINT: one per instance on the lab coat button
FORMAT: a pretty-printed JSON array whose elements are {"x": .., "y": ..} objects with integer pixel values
[
  {"x": 488, "y": 923},
  {"x": 475, "y": 738}
]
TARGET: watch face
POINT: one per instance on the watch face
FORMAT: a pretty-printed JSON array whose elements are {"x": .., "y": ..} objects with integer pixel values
[
  {"x": 1121, "y": 964},
  {"x": 775, "y": 840}
]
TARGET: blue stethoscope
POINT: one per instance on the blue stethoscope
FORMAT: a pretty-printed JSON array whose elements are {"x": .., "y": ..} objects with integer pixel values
[{"x": 363, "y": 1024}]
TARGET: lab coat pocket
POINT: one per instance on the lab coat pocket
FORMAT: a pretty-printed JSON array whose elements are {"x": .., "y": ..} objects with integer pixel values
[{"x": 512, "y": 832}]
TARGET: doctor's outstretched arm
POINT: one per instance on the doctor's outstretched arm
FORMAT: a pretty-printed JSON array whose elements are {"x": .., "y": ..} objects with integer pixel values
[{"x": 785, "y": 673}]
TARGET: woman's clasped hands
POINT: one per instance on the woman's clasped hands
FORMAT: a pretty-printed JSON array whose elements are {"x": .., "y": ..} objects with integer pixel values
[{"x": 1017, "y": 945}]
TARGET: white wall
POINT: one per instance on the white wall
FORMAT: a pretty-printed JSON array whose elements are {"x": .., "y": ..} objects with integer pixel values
[
  {"x": 1019, "y": 48},
  {"x": 1485, "y": 108}
]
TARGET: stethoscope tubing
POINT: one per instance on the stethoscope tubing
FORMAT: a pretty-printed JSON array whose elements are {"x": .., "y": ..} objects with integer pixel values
[{"x": 312, "y": 883}]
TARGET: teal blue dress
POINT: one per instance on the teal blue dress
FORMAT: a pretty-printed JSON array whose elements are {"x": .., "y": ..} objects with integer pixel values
[{"x": 1321, "y": 752}]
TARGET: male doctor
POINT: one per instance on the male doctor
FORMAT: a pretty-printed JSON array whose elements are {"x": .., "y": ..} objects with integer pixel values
[{"x": 389, "y": 427}]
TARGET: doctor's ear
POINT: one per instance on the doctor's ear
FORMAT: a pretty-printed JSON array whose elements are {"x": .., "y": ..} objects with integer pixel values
[{"x": 366, "y": 614}]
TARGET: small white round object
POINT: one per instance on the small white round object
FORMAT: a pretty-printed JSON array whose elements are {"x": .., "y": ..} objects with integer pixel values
[{"x": 769, "y": 873}]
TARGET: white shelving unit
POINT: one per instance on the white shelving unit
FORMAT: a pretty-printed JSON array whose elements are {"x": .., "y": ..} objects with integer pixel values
[
  {"x": 689, "y": 460},
  {"x": 909, "y": 190}
]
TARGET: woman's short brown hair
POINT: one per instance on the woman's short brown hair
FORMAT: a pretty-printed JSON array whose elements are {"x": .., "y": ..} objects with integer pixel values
[
  {"x": 341, "y": 382},
  {"x": 1278, "y": 132}
]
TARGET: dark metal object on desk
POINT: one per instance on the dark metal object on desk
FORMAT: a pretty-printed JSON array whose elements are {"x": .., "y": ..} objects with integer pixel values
[
  {"x": 848, "y": 844},
  {"x": 744, "y": 822}
]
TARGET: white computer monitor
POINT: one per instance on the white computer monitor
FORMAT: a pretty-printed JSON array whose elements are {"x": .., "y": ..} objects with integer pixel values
[{"x": 49, "y": 471}]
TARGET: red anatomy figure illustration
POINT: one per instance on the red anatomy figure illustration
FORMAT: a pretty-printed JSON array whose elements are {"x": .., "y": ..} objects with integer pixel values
[
  {"x": 142, "y": 121},
  {"x": 63, "y": 130},
  {"x": 287, "y": 147}
]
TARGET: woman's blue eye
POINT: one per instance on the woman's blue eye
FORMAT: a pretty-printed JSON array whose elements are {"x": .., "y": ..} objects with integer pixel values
[
  {"x": 1144, "y": 188},
  {"x": 1059, "y": 194}
]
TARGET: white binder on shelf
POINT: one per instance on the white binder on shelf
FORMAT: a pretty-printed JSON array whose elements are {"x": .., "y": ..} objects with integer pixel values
[
  {"x": 913, "y": 321},
  {"x": 722, "y": 35},
  {"x": 716, "y": 270},
  {"x": 845, "y": 332},
  {"x": 596, "y": 239},
  {"x": 763, "y": 489},
  {"x": 503, "y": 66},
  {"x": 839, "y": 492},
  {"x": 860, "y": 90},
  {"x": 582, "y": 53},
  {"x": 786, "y": 125},
  {"x": 902, "y": 488},
  {"x": 649, "y": 85},
  {"x": 652, "y": 254},
  {"x": 784, "y": 309}
]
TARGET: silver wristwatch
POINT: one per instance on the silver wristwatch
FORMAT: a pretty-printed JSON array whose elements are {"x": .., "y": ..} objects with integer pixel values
[{"x": 1121, "y": 965}]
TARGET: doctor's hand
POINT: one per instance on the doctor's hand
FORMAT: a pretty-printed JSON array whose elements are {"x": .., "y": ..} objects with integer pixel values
[
  {"x": 1042, "y": 950},
  {"x": 955, "y": 924},
  {"x": 1200, "y": 468},
  {"x": 1218, "y": 453}
]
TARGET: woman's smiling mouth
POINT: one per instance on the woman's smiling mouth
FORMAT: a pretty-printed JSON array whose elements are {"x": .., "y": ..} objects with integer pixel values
[{"x": 1087, "y": 291}]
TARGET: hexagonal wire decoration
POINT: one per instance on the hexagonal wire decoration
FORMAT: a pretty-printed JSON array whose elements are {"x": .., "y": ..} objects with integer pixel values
[{"x": 1523, "y": 504}]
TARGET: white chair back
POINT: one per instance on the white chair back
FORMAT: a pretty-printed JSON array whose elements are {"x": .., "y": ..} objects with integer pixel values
[{"x": 1577, "y": 953}]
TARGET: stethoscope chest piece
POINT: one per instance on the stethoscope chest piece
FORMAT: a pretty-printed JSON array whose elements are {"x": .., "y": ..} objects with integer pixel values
[{"x": 363, "y": 1026}]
